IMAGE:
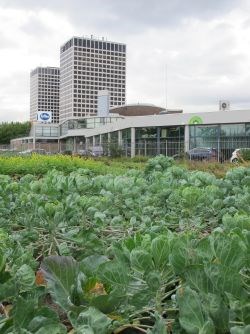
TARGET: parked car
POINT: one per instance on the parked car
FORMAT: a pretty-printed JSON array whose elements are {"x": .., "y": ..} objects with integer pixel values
[
  {"x": 96, "y": 151},
  {"x": 202, "y": 153},
  {"x": 66, "y": 152},
  {"x": 85, "y": 153},
  {"x": 235, "y": 156},
  {"x": 240, "y": 154},
  {"x": 33, "y": 151}
]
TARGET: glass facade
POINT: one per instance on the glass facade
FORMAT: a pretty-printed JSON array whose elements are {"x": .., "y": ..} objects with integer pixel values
[
  {"x": 46, "y": 131},
  {"x": 225, "y": 138},
  {"x": 159, "y": 140},
  {"x": 205, "y": 134},
  {"x": 126, "y": 142},
  {"x": 86, "y": 123},
  {"x": 114, "y": 137}
]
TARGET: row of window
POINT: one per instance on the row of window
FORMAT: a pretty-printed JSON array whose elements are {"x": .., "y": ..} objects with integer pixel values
[
  {"x": 94, "y": 81},
  {"x": 103, "y": 68},
  {"x": 54, "y": 90},
  {"x": 92, "y": 65},
  {"x": 224, "y": 130},
  {"x": 94, "y": 103},
  {"x": 100, "y": 58},
  {"x": 46, "y": 131},
  {"x": 100, "y": 61},
  {"x": 104, "y": 74},
  {"x": 96, "y": 53},
  {"x": 102, "y": 45},
  {"x": 88, "y": 83},
  {"x": 46, "y": 71},
  {"x": 93, "y": 44}
]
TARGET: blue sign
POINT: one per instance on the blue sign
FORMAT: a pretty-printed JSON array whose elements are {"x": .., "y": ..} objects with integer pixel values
[{"x": 44, "y": 116}]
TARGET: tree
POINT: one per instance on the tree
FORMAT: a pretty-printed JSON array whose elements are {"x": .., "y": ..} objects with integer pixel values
[{"x": 13, "y": 130}]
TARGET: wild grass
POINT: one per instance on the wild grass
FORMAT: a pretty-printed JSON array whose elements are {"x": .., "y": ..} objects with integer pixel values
[{"x": 39, "y": 164}]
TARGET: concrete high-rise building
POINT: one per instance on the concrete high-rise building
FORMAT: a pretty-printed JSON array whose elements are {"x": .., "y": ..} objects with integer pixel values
[
  {"x": 44, "y": 92},
  {"x": 87, "y": 66}
]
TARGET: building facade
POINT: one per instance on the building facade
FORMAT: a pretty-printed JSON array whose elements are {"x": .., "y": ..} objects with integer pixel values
[
  {"x": 149, "y": 135},
  {"x": 44, "y": 92},
  {"x": 168, "y": 134},
  {"x": 87, "y": 66}
]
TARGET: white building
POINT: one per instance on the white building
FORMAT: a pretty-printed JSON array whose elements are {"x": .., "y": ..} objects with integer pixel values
[
  {"x": 87, "y": 66},
  {"x": 146, "y": 134},
  {"x": 44, "y": 92}
]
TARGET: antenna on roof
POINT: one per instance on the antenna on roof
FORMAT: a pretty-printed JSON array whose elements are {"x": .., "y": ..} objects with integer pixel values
[{"x": 166, "y": 86}]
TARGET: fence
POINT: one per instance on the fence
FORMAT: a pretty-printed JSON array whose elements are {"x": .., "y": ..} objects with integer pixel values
[
  {"x": 149, "y": 147},
  {"x": 222, "y": 150},
  {"x": 4, "y": 147}
]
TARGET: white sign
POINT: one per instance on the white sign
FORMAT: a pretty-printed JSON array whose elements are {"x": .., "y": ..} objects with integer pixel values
[
  {"x": 103, "y": 103},
  {"x": 44, "y": 117}
]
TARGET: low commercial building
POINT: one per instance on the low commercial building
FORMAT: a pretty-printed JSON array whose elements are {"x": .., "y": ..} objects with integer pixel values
[{"x": 163, "y": 133}]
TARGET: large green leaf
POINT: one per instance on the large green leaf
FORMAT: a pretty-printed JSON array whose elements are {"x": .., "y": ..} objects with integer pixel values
[
  {"x": 106, "y": 303},
  {"x": 224, "y": 279},
  {"x": 228, "y": 251},
  {"x": 61, "y": 273},
  {"x": 181, "y": 254},
  {"x": 84, "y": 329},
  {"x": 115, "y": 274},
  {"x": 197, "y": 279},
  {"x": 90, "y": 264},
  {"x": 140, "y": 260},
  {"x": 23, "y": 312},
  {"x": 52, "y": 329},
  {"x": 25, "y": 277},
  {"x": 204, "y": 250},
  {"x": 191, "y": 313},
  {"x": 219, "y": 312},
  {"x": 142, "y": 298},
  {"x": 2, "y": 260},
  {"x": 240, "y": 330},
  {"x": 46, "y": 321},
  {"x": 8, "y": 289},
  {"x": 160, "y": 247},
  {"x": 93, "y": 321}
]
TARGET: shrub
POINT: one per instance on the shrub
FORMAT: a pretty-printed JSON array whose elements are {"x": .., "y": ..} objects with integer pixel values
[{"x": 245, "y": 154}]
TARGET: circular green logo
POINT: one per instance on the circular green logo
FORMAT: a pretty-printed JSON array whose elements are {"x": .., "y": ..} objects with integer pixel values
[{"x": 195, "y": 120}]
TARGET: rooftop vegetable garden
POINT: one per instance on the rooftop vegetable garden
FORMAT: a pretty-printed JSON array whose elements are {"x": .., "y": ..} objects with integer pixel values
[{"x": 154, "y": 250}]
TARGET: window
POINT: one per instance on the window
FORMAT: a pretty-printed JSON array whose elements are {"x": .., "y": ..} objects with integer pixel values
[
  {"x": 233, "y": 130},
  {"x": 141, "y": 133}
]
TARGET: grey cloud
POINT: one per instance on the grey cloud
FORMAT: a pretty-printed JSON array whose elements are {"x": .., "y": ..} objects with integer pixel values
[
  {"x": 35, "y": 27},
  {"x": 156, "y": 33},
  {"x": 6, "y": 43},
  {"x": 130, "y": 16}
]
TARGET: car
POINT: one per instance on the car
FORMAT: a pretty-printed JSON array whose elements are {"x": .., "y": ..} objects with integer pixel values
[
  {"x": 33, "y": 151},
  {"x": 96, "y": 151},
  {"x": 66, "y": 152},
  {"x": 235, "y": 156},
  {"x": 240, "y": 154},
  {"x": 202, "y": 153},
  {"x": 85, "y": 153}
]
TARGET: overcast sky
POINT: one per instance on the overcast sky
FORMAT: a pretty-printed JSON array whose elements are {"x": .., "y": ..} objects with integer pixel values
[{"x": 203, "y": 44}]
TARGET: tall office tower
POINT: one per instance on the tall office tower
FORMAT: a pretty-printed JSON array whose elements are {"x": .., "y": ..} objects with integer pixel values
[
  {"x": 44, "y": 92},
  {"x": 87, "y": 66}
]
